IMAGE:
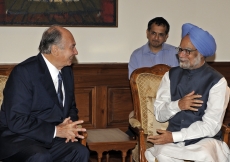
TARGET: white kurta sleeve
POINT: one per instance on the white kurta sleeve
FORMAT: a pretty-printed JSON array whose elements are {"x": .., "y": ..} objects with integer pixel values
[{"x": 164, "y": 108}]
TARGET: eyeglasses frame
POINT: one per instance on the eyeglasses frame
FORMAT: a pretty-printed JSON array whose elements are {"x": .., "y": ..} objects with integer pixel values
[{"x": 186, "y": 51}]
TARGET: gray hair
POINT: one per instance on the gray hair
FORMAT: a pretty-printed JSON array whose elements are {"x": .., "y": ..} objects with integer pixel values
[{"x": 51, "y": 36}]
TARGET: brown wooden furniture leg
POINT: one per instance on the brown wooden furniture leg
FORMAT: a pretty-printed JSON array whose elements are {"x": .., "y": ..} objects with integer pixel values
[
  {"x": 131, "y": 157},
  {"x": 107, "y": 157},
  {"x": 99, "y": 156},
  {"x": 124, "y": 153}
]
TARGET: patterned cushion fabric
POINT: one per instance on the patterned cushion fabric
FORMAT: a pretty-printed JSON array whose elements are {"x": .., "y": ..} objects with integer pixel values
[
  {"x": 148, "y": 85},
  {"x": 3, "y": 80}
]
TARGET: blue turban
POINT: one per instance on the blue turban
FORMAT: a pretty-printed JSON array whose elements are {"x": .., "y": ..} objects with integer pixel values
[{"x": 202, "y": 40}]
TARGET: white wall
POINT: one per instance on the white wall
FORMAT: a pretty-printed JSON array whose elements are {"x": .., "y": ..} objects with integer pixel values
[{"x": 116, "y": 44}]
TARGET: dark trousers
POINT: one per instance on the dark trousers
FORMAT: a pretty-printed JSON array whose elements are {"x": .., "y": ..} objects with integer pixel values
[{"x": 59, "y": 152}]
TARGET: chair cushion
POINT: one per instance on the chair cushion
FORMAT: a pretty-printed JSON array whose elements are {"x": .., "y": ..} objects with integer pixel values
[
  {"x": 153, "y": 124},
  {"x": 147, "y": 86},
  {"x": 3, "y": 80}
]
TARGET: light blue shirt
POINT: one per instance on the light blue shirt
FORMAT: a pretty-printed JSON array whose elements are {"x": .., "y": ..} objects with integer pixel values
[{"x": 144, "y": 57}]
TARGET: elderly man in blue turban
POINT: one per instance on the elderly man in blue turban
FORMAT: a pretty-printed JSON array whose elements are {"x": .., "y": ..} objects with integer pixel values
[{"x": 193, "y": 98}]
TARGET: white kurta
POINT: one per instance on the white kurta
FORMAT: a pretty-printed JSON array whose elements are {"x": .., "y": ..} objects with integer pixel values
[{"x": 206, "y": 150}]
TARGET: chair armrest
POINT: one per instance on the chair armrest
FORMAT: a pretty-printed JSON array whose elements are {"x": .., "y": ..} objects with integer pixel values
[
  {"x": 139, "y": 131},
  {"x": 134, "y": 123},
  {"x": 225, "y": 130}
]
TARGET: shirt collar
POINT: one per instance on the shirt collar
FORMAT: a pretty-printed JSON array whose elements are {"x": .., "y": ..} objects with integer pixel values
[
  {"x": 52, "y": 69},
  {"x": 198, "y": 69}
]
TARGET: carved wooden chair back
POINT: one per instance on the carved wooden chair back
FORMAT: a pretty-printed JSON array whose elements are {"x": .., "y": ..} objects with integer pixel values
[{"x": 144, "y": 84}]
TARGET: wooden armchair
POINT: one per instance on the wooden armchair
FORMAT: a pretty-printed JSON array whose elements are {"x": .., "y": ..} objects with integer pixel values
[
  {"x": 225, "y": 133},
  {"x": 3, "y": 79},
  {"x": 144, "y": 84}
]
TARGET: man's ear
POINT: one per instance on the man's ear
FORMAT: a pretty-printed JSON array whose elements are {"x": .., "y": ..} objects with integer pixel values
[
  {"x": 147, "y": 34},
  {"x": 166, "y": 37},
  {"x": 54, "y": 49}
]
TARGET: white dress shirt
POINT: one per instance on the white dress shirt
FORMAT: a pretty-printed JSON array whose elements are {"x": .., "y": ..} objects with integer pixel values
[{"x": 54, "y": 75}]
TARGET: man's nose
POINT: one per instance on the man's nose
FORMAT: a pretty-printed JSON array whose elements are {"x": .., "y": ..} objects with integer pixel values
[
  {"x": 157, "y": 36},
  {"x": 75, "y": 51}
]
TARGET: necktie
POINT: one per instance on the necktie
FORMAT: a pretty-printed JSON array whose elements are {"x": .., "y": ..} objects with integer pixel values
[{"x": 59, "y": 92}]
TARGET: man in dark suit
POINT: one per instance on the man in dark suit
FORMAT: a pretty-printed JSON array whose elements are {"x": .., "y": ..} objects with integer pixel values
[{"x": 39, "y": 118}]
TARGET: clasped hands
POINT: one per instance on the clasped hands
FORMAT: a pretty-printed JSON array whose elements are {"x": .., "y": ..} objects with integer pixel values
[
  {"x": 188, "y": 102},
  {"x": 69, "y": 130}
]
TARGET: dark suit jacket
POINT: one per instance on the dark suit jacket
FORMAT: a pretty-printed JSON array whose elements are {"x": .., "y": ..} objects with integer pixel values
[{"x": 30, "y": 109}]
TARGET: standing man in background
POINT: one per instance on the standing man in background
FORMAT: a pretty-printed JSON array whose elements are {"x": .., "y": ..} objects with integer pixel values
[
  {"x": 39, "y": 119},
  {"x": 155, "y": 51}
]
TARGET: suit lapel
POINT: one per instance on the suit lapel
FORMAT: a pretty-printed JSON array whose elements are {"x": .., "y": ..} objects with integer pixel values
[{"x": 46, "y": 79}]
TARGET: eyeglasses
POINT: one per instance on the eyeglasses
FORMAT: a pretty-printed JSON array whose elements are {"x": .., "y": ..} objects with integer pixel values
[{"x": 186, "y": 51}]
